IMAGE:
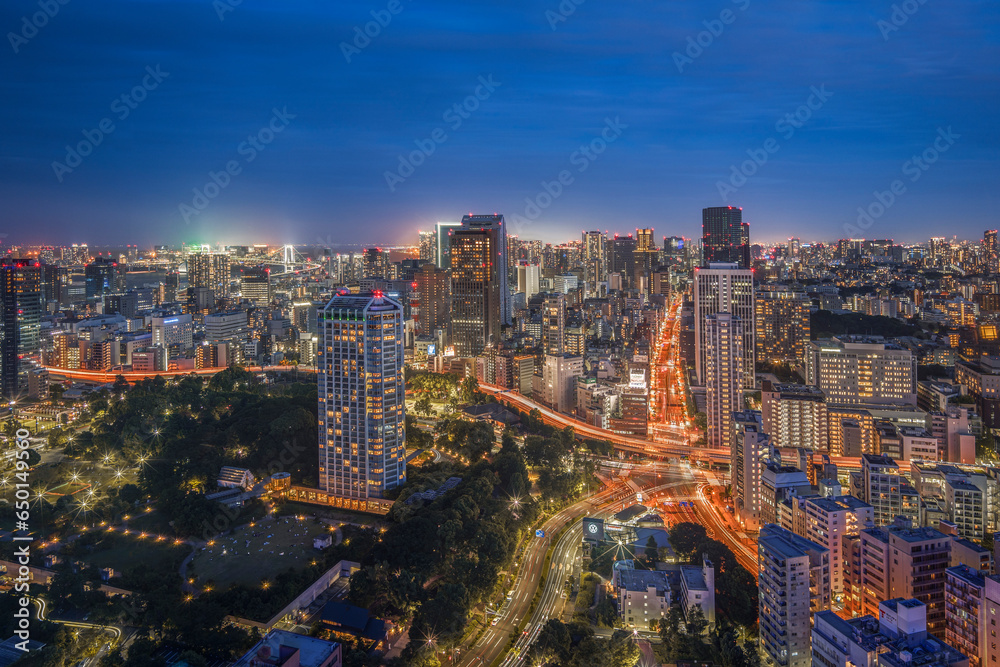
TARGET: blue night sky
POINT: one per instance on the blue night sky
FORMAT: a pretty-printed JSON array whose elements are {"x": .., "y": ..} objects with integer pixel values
[{"x": 682, "y": 122}]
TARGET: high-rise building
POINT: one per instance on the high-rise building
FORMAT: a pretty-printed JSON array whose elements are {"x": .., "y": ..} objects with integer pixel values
[
  {"x": 527, "y": 279},
  {"x": 255, "y": 284},
  {"x": 858, "y": 372},
  {"x": 991, "y": 253},
  {"x": 825, "y": 521},
  {"x": 20, "y": 317},
  {"x": 724, "y": 236},
  {"x": 432, "y": 311},
  {"x": 965, "y": 613},
  {"x": 795, "y": 415},
  {"x": 52, "y": 282},
  {"x": 559, "y": 374},
  {"x": 793, "y": 583},
  {"x": 211, "y": 270},
  {"x": 362, "y": 452},
  {"x": 750, "y": 447},
  {"x": 427, "y": 246},
  {"x": 442, "y": 243},
  {"x": 480, "y": 296},
  {"x": 646, "y": 258},
  {"x": 103, "y": 276},
  {"x": 554, "y": 323},
  {"x": 174, "y": 333},
  {"x": 886, "y": 489},
  {"x": 376, "y": 263},
  {"x": 723, "y": 376},
  {"x": 782, "y": 325},
  {"x": 724, "y": 288},
  {"x": 594, "y": 259},
  {"x": 621, "y": 258}
]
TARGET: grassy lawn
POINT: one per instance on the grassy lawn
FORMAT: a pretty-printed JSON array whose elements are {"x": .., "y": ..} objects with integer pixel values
[
  {"x": 123, "y": 552},
  {"x": 274, "y": 546}
]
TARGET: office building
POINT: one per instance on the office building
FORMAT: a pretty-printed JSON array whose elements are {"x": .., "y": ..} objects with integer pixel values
[
  {"x": 103, "y": 276},
  {"x": 724, "y": 236},
  {"x": 554, "y": 323},
  {"x": 431, "y": 306},
  {"x": 442, "y": 243},
  {"x": 376, "y": 263},
  {"x": 621, "y": 259},
  {"x": 480, "y": 296},
  {"x": 782, "y": 325},
  {"x": 723, "y": 376},
  {"x": 211, "y": 270},
  {"x": 20, "y": 317},
  {"x": 559, "y": 374},
  {"x": 724, "y": 288},
  {"x": 852, "y": 371},
  {"x": 427, "y": 246},
  {"x": 255, "y": 285},
  {"x": 174, "y": 333},
  {"x": 226, "y": 327},
  {"x": 527, "y": 279},
  {"x": 362, "y": 452},
  {"x": 793, "y": 583},
  {"x": 594, "y": 259}
]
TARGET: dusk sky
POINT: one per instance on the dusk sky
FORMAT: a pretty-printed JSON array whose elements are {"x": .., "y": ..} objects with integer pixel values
[{"x": 675, "y": 117}]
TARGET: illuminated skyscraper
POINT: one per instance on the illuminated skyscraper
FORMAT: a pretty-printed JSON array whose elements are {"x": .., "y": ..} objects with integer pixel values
[
  {"x": 480, "y": 296},
  {"x": 991, "y": 253},
  {"x": 554, "y": 323},
  {"x": 724, "y": 236},
  {"x": 376, "y": 263},
  {"x": 782, "y": 322},
  {"x": 211, "y": 270},
  {"x": 103, "y": 276},
  {"x": 724, "y": 288},
  {"x": 362, "y": 452},
  {"x": 255, "y": 284},
  {"x": 432, "y": 310},
  {"x": 442, "y": 243},
  {"x": 427, "y": 246},
  {"x": 621, "y": 258},
  {"x": 594, "y": 259},
  {"x": 723, "y": 376},
  {"x": 20, "y": 317}
]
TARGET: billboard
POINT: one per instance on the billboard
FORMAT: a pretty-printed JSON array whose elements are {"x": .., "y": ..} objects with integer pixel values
[{"x": 593, "y": 529}]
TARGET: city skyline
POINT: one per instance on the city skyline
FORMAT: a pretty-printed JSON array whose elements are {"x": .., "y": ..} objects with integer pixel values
[{"x": 675, "y": 109}]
